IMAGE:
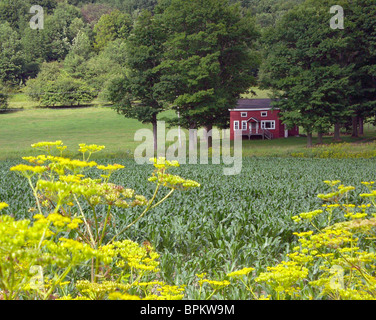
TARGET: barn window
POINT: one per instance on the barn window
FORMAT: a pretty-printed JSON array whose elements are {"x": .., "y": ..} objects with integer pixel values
[
  {"x": 264, "y": 113},
  {"x": 268, "y": 124},
  {"x": 236, "y": 125},
  {"x": 243, "y": 114},
  {"x": 244, "y": 125}
]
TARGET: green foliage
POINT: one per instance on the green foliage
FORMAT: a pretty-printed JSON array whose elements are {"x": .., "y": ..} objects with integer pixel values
[
  {"x": 308, "y": 65},
  {"x": 208, "y": 61},
  {"x": 339, "y": 151},
  {"x": 132, "y": 7},
  {"x": 61, "y": 237},
  {"x": 34, "y": 46},
  {"x": 3, "y": 98},
  {"x": 112, "y": 26},
  {"x": 54, "y": 41},
  {"x": 15, "y": 12},
  {"x": 81, "y": 45},
  {"x": 133, "y": 93},
  {"x": 360, "y": 28},
  {"x": 57, "y": 31},
  {"x": 54, "y": 87},
  {"x": 268, "y": 12},
  {"x": 11, "y": 56},
  {"x": 100, "y": 69},
  {"x": 223, "y": 226},
  {"x": 92, "y": 12}
]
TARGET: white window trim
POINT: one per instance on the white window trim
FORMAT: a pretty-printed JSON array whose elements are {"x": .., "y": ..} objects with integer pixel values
[
  {"x": 236, "y": 124},
  {"x": 272, "y": 124},
  {"x": 264, "y": 113},
  {"x": 244, "y": 114},
  {"x": 244, "y": 125}
]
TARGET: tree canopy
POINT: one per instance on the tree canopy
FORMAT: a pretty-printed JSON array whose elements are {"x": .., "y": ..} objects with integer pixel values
[
  {"x": 133, "y": 93},
  {"x": 209, "y": 60},
  {"x": 314, "y": 69}
]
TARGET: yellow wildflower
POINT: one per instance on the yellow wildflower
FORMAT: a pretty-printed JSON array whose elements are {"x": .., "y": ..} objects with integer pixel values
[
  {"x": 24, "y": 168},
  {"x": 46, "y": 144},
  {"x": 3, "y": 205},
  {"x": 332, "y": 183},
  {"x": 83, "y": 147},
  {"x": 240, "y": 273},
  {"x": 214, "y": 283},
  {"x": 110, "y": 167}
]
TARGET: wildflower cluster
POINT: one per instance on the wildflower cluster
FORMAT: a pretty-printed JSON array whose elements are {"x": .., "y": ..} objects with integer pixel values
[
  {"x": 48, "y": 146},
  {"x": 3, "y": 205},
  {"x": 58, "y": 221},
  {"x": 129, "y": 264},
  {"x": 24, "y": 245},
  {"x": 89, "y": 150},
  {"x": 284, "y": 277},
  {"x": 240, "y": 273},
  {"x": 168, "y": 180},
  {"x": 343, "y": 249},
  {"x": 71, "y": 228},
  {"x": 214, "y": 285},
  {"x": 336, "y": 194},
  {"x": 333, "y": 262},
  {"x": 339, "y": 151}
]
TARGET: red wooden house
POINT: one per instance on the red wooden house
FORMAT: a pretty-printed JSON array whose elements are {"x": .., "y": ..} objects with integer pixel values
[{"x": 256, "y": 117}]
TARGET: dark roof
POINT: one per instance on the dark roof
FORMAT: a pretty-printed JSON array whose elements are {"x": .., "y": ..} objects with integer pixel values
[{"x": 253, "y": 103}]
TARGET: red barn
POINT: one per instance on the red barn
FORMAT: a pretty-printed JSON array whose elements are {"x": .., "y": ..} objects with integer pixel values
[{"x": 256, "y": 117}]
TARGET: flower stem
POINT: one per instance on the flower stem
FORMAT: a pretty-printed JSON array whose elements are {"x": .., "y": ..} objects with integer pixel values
[{"x": 140, "y": 216}]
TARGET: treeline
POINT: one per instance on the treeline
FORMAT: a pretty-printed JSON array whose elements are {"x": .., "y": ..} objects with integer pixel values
[
  {"x": 323, "y": 76},
  {"x": 195, "y": 56},
  {"x": 76, "y": 31}
]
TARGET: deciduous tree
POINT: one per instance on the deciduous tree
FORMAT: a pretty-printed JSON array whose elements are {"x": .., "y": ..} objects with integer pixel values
[
  {"x": 134, "y": 93},
  {"x": 116, "y": 25},
  {"x": 311, "y": 68},
  {"x": 209, "y": 60}
]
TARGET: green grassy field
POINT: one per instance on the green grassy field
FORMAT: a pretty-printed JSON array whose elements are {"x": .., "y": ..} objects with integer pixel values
[
  {"x": 73, "y": 126},
  {"x": 102, "y": 125}
]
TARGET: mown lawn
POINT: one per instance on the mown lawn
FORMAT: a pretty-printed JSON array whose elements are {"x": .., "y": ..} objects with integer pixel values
[{"x": 97, "y": 125}]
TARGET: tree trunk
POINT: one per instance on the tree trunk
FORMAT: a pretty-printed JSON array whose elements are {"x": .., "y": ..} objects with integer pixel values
[
  {"x": 355, "y": 126},
  {"x": 192, "y": 139},
  {"x": 309, "y": 140},
  {"x": 337, "y": 128},
  {"x": 209, "y": 135},
  {"x": 155, "y": 135},
  {"x": 361, "y": 126},
  {"x": 319, "y": 137}
]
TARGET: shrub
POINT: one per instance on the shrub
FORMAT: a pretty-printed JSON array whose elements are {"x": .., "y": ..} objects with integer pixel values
[
  {"x": 55, "y": 87},
  {"x": 3, "y": 98}
]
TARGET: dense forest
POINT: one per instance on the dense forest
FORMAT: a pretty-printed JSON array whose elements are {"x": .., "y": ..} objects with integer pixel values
[
  {"x": 195, "y": 56},
  {"x": 84, "y": 36}
]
